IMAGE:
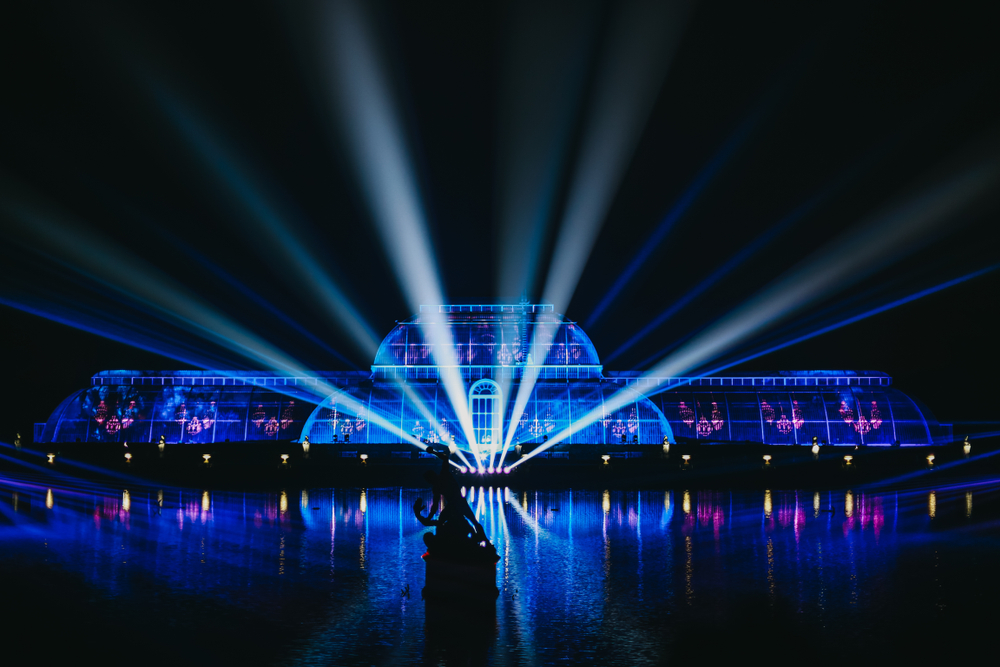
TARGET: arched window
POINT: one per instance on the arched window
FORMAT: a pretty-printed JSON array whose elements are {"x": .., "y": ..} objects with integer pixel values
[{"x": 485, "y": 406}]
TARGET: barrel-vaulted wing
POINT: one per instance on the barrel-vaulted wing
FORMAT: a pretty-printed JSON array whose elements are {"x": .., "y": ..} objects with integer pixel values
[{"x": 403, "y": 400}]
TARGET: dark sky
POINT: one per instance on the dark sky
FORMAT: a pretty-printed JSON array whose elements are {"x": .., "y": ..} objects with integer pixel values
[{"x": 854, "y": 107}]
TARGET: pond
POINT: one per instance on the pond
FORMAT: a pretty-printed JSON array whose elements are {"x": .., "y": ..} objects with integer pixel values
[{"x": 320, "y": 576}]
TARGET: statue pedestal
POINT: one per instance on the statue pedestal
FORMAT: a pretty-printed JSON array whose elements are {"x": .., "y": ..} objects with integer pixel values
[{"x": 459, "y": 581}]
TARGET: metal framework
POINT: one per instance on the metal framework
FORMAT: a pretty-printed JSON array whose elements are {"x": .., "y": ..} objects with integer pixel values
[{"x": 495, "y": 346}]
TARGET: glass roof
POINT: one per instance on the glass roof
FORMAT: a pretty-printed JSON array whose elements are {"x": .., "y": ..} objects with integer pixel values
[{"x": 491, "y": 338}]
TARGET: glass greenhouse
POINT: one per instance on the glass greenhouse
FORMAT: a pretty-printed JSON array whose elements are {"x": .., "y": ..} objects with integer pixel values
[{"x": 495, "y": 348}]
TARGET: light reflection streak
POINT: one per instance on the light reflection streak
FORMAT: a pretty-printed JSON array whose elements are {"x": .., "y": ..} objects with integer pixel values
[
  {"x": 589, "y": 551},
  {"x": 771, "y": 583},
  {"x": 688, "y": 570},
  {"x": 526, "y": 517},
  {"x": 480, "y": 507}
]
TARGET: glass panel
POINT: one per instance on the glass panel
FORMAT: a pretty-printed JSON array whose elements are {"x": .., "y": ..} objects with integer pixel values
[
  {"x": 908, "y": 421},
  {"x": 586, "y": 397},
  {"x": 911, "y": 433},
  {"x": 551, "y": 409},
  {"x": 776, "y": 411},
  {"x": 650, "y": 431},
  {"x": 712, "y": 416},
  {"x": 678, "y": 408},
  {"x": 73, "y": 422},
  {"x": 873, "y": 422},
  {"x": 744, "y": 415},
  {"x": 809, "y": 417},
  {"x": 842, "y": 411}
]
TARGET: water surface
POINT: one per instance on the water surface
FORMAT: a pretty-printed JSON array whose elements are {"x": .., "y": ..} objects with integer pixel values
[{"x": 319, "y": 576}]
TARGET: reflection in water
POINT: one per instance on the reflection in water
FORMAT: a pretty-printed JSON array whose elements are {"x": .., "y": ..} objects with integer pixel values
[
  {"x": 584, "y": 576},
  {"x": 770, "y": 568},
  {"x": 688, "y": 570}
]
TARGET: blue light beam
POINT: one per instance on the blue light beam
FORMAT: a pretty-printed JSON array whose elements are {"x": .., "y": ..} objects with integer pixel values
[
  {"x": 701, "y": 182},
  {"x": 380, "y": 156},
  {"x": 877, "y": 242},
  {"x": 853, "y": 319},
  {"x": 280, "y": 242},
  {"x": 640, "y": 46},
  {"x": 543, "y": 80},
  {"x": 881, "y": 239}
]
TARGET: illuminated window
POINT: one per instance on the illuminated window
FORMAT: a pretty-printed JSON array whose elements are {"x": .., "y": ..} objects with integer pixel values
[{"x": 484, "y": 404}]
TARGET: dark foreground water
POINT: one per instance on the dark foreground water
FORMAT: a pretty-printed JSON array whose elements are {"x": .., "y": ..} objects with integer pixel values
[{"x": 317, "y": 576}]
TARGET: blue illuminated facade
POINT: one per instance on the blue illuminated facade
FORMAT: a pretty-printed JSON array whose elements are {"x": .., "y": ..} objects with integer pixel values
[{"x": 495, "y": 348}]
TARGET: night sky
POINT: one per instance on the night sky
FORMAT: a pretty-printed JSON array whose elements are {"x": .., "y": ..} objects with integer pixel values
[{"x": 111, "y": 113}]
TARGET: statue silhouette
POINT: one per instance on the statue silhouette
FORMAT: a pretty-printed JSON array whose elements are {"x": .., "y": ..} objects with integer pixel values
[{"x": 458, "y": 536}]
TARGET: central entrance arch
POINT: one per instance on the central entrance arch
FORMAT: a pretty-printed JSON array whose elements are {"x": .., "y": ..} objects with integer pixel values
[{"x": 485, "y": 407}]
